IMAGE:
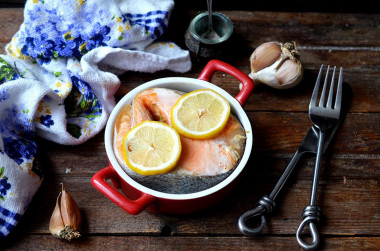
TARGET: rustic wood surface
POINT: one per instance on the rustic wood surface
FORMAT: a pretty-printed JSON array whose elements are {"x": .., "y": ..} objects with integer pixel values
[{"x": 349, "y": 192}]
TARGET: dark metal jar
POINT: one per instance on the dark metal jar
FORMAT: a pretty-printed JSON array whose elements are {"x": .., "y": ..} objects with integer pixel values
[{"x": 206, "y": 47}]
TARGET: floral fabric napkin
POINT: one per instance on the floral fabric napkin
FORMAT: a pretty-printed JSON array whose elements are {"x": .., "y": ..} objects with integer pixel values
[{"x": 59, "y": 77}]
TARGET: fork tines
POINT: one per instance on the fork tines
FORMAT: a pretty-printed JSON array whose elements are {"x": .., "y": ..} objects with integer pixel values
[{"x": 329, "y": 103}]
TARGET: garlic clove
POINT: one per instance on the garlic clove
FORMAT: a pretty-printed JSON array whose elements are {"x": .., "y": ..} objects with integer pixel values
[
  {"x": 266, "y": 76},
  {"x": 290, "y": 73},
  {"x": 70, "y": 211},
  {"x": 56, "y": 222},
  {"x": 265, "y": 55},
  {"x": 66, "y": 218},
  {"x": 276, "y": 64}
]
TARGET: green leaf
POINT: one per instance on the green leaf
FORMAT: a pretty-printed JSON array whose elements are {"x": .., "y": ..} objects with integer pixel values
[
  {"x": 91, "y": 115},
  {"x": 22, "y": 75},
  {"x": 38, "y": 168},
  {"x": 3, "y": 61},
  {"x": 57, "y": 74},
  {"x": 83, "y": 50},
  {"x": 6, "y": 71},
  {"x": 120, "y": 38},
  {"x": 84, "y": 103},
  {"x": 2, "y": 198},
  {"x": 1, "y": 171},
  {"x": 74, "y": 130}
]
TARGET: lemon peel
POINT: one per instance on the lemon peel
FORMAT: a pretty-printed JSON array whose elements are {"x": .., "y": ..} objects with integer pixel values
[
  {"x": 200, "y": 114},
  {"x": 151, "y": 148}
]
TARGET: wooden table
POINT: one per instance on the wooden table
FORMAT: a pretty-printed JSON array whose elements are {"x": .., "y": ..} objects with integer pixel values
[{"x": 349, "y": 192}]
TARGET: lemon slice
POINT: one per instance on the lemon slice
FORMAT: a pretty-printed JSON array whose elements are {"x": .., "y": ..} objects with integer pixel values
[
  {"x": 200, "y": 114},
  {"x": 152, "y": 147}
]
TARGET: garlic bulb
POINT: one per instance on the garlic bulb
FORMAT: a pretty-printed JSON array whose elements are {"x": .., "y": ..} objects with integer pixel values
[
  {"x": 66, "y": 218},
  {"x": 277, "y": 65}
]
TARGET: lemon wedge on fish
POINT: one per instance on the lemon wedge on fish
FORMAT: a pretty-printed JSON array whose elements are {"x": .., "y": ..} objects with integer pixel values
[
  {"x": 152, "y": 147},
  {"x": 200, "y": 114}
]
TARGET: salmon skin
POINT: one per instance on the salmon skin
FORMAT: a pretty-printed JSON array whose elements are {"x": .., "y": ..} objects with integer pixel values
[{"x": 203, "y": 163}]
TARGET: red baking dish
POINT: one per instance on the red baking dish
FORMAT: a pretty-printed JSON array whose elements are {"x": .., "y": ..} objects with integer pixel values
[{"x": 133, "y": 197}]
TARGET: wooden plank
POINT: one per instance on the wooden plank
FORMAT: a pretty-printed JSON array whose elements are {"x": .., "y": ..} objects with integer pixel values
[
  {"x": 12, "y": 2},
  {"x": 10, "y": 21},
  {"x": 45, "y": 242},
  {"x": 312, "y": 28},
  {"x": 283, "y": 132},
  {"x": 297, "y": 6},
  {"x": 318, "y": 29},
  {"x": 342, "y": 200}
]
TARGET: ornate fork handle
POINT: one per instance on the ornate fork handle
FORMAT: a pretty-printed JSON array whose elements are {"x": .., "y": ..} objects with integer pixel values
[
  {"x": 310, "y": 216},
  {"x": 263, "y": 207},
  {"x": 266, "y": 204}
]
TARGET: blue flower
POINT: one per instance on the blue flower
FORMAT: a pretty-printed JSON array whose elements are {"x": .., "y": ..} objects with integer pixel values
[
  {"x": 36, "y": 13},
  {"x": 65, "y": 48},
  {"x": 42, "y": 61},
  {"x": 4, "y": 186},
  {"x": 52, "y": 12},
  {"x": 46, "y": 120},
  {"x": 98, "y": 37},
  {"x": 39, "y": 47},
  {"x": 19, "y": 149},
  {"x": 82, "y": 86},
  {"x": 40, "y": 28},
  {"x": 43, "y": 45},
  {"x": 4, "y": 94},
  {"x": 27, "y": 49},
  {"x": 17, "y": 120},
  {"x": 99, "y": 34},
  {"x": 88, "y": 17}
]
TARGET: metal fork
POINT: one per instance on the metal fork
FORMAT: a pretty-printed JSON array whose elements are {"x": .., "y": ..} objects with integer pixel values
[{"x": 324, "y": 117}]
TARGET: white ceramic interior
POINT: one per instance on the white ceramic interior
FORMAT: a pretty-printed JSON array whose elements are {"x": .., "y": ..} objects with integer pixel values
[{"x": 185, "y": 85}]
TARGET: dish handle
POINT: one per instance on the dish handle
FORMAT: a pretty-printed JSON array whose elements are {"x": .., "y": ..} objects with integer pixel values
[
  {"x": 217, "y": 65},
  {"x": 99, "y": 181}
]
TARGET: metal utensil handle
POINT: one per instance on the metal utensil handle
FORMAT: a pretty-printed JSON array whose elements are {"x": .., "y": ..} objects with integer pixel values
[
  {"x": 285, "y": 175},
  {"x": 310, "y": 216},
  {"x": 266, "y": 204},
  {"x": 317, "y": 168},
  {"x": 263, "y": 207},
  {"x": 311, "y": 213}
]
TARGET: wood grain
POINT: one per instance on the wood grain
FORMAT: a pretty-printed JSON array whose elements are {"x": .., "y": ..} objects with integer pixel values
[
  {"x": 143, "y": 243},
  {"x": 342, "y": 197},
  {"x": 349, "y": 193}
]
